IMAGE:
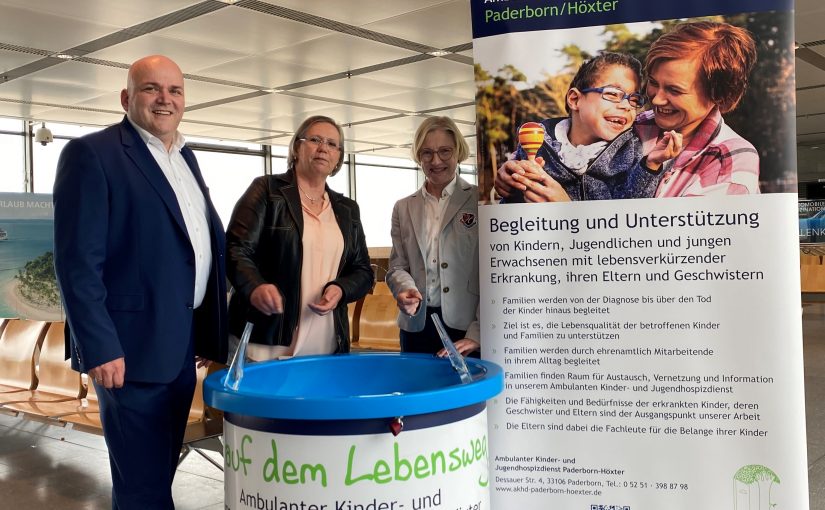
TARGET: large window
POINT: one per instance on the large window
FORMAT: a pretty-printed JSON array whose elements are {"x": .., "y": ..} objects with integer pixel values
[
  {"x": 340, "y": 181},
  {"x": 12, "y": 165},
  {"x": 44, "y": 159},
  {"x": 228, "y": 168},
  {"x": 228, "y": 176},
  {"x": 45, "y": 156},
  {"x": 379, "y": 183},
  {"x": 279, "y": 156}
]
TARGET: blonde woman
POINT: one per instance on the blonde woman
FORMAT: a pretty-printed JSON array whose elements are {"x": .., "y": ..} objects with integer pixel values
[{"x": 434, "y": 258}]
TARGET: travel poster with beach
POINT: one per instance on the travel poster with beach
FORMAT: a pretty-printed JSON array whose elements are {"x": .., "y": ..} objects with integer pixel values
[
  {"x": 28, "y": 286},
  {"x": 647, "y": 316}
]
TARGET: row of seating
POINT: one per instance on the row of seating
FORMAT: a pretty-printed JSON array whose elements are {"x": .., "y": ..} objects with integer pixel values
[{"x": 36, "y": 382}]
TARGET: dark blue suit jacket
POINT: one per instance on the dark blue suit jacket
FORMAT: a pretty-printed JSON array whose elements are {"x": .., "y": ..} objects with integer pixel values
[{"x": 124, "y": 262}]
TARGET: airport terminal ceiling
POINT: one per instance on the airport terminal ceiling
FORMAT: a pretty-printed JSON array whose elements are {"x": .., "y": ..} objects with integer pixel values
[{"x": 256, "y": 68}]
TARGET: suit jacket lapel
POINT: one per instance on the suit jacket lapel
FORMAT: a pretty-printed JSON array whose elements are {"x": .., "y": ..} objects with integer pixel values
[
  {"x": 138, "y": 152},
  {"x": 418, "y": 217},
  {"x": 293, "y": 199}
]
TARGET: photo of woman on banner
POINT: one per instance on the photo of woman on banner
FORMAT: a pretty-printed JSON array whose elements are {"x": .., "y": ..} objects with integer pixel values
[
  {"x": 593, "y": 154},
  {"x": 695, "y": 74}
]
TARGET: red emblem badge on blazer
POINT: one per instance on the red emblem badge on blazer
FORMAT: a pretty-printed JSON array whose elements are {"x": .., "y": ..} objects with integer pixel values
[{"x": 468, "y": 219}]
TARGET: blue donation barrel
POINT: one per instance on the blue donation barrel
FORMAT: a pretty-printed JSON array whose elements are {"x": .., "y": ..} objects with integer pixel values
[{"x": 356, "y": 432}]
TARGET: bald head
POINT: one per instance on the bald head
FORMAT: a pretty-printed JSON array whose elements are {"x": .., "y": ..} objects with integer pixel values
[{"x": 154, "y": 98}]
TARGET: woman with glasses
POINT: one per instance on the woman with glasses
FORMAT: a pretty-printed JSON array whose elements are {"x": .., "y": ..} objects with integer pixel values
[
  {"x": 434, "y": 259},
  {"x": 593, "y": 154},
  {"x": 297, "y": 253},
  {"x": 695, "y": 74}
]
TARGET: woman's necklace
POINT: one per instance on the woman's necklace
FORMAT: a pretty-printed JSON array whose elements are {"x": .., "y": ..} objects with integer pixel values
[{"x": 311, "y": 200}]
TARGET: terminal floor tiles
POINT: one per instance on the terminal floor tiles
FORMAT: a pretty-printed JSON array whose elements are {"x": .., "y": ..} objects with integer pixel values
[{"x": 45, "y": 467}]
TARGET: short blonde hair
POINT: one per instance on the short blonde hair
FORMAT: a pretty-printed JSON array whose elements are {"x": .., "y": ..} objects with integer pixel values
[
  {"x": 429, "y": 125},
  {"x": 301, "y": 132}
]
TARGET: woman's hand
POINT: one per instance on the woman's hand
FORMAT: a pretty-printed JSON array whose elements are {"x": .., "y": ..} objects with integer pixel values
[
  {"x": 408, "y": 301},
  {"x": 464, "y": 347},
  {"x": 332, "y": 296},
  {"x": 667, "y": 148},
  {"x": 267, "y": 299}
]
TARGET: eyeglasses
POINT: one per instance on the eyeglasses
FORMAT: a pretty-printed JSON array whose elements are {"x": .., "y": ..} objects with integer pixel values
[
  {"x": 444, "y": 154},
  {"x": 617, "y": 95},
  {"x": 317, "y": 141}
]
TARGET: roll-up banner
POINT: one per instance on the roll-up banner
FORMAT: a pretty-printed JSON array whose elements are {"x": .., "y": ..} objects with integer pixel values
[{"x": 639, "y": 257}]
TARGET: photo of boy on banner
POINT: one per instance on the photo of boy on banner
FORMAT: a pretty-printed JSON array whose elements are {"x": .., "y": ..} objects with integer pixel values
[
  {"x": 593, "y": 154},
  {"x": 695, "y": 71}
]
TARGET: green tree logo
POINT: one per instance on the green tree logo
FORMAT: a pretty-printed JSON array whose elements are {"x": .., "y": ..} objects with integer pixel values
[{"x": 752, "y": 486}]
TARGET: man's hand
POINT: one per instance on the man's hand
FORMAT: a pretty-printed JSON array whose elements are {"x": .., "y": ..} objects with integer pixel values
[
  {"x": 266, "y": 298},
  {"x": 332, "y": 296},
  {"x": 109, "y": 375},
  {"x": 408, "y": 301}
]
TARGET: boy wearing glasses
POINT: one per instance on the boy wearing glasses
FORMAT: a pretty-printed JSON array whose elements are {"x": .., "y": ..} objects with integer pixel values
[{"x": 593, "y": 154}]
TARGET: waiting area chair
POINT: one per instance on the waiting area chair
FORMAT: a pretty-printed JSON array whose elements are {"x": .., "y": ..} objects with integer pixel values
[
  {"x": 59, "y": 388},
  {"x": 18, "y": 350},
  {"x": 378, "y": 329}
]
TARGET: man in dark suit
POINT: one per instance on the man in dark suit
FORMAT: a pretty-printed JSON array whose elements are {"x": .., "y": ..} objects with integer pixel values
[{"x": 139, "y": 256}]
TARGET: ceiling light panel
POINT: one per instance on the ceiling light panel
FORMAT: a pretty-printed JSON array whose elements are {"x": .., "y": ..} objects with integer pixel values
[
  {"x": 357, "y": 12},
  {"x": 435, "y": 25},
  {"x": 418, "y": 100},
  {"x": 243, "y": 31},
  {"x": 20, "y": 110},
  {"x": 262, "y": 72},
  {"x": 357, "y": 89},
  {"x": 341, "y": 52},
  {"x": 105, "y": 12},
  {"x": 190, "y": 57},
  {"x": 426, "y": 74},
  {"x": 73, "y": 116},
  {"x": 37, "y": 29}
]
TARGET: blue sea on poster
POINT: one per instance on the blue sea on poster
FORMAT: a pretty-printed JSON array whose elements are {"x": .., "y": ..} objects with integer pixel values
[{"x": 27, "y": 240}]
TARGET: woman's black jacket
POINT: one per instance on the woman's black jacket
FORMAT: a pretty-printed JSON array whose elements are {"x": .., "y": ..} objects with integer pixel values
[{"x": 263, "y": 245}]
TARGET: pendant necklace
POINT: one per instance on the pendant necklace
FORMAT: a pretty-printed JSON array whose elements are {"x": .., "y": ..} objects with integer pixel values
[{"x": 311, "y": 200}]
